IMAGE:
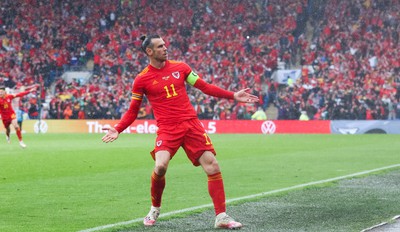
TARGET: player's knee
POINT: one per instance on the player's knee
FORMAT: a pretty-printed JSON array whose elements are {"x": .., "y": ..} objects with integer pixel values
[
  {"x": 215, "y": 166},
  {"x": 161, "y": 169},
  {"x": 212, "y": 167}
]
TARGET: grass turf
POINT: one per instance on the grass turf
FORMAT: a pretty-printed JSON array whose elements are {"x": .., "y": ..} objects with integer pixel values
[
  {"x": 69, "y": 182},
  {"x": 345, "y": 206}
]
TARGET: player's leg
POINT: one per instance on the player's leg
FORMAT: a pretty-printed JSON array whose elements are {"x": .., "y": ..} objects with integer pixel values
[
  {"x": 215, "y": 183},
  {"x": 8, "y": 134},
  {"x": 216, "y": 190},
  {"x": 14, "y": 122},
  {"x": 162, "y": 159},
  {"x": 167, "y": 143},
  {"x": 7, "y": 127},
  {"x": 200, "y": 151}
]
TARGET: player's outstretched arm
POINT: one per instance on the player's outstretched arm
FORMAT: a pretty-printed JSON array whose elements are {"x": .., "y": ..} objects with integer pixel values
[
  {"x": 244, "y": 96},
  {"x": 126, "y": 120},
  {"x": 213, "y": 90},
  {"x": 112, "y": 134},
  {"x": 25, "y": 91},
  {"x": 31, "y": 87}
]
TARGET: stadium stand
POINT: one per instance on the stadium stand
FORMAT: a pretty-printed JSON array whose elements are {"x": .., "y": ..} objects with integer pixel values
[
  {"x": 348, "y": 52},
  {"x": 351, "y": 64}
]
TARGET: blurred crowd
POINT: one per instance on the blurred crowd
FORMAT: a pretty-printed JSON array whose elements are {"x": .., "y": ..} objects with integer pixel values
[
  {"x": 348, "y": 52},
  {"x": 350, "y": 65}
]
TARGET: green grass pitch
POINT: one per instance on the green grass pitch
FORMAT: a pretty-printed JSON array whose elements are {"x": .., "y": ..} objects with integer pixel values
[{"x": 72, "y": 182}]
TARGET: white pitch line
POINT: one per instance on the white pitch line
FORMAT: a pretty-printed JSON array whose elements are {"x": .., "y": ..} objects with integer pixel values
[
  {"x": 381, "y": 224},
  {"x": 243, "y": 198}
]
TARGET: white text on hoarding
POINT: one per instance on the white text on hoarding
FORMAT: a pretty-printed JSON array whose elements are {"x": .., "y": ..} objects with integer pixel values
[{"x": 141, "y": 128}]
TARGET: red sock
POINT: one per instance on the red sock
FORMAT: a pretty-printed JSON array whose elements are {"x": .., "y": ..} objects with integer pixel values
[
  {"x": 19, "y": 134},
  {"x": 217, "y": 192},
  {"x": 157, "y": 188}
]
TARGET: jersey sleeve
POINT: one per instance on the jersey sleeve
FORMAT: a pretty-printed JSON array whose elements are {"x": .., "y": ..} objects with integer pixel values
[
  {"x": 131, "y": 114},
  {"x": 129, "y": 117},
  {"x": 21, "y": 94},
  {"x": 194, "y": 80}
]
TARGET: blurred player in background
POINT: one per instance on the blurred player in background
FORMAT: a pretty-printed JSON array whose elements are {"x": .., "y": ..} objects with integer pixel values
[
  {"x": 20, "y": 115},
  {"x": 7, "y": 112},
  {"x": 164, "y": 82}
]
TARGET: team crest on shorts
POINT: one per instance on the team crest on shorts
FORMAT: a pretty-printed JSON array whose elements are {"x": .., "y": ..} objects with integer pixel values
[{"x": 158, "y": 143}]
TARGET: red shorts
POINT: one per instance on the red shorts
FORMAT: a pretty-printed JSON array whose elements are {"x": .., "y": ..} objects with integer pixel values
[
  {"x": 7, "y": 121},
  {"x": 189, "y": 134}
]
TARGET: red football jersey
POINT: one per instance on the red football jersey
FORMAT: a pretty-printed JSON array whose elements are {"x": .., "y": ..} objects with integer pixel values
[
  {"x": 6, "y": 110},
  {"x": 165, "y": 89}
]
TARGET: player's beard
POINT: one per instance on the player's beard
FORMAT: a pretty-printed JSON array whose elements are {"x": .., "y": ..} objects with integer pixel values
[{"x": 162, "y": 58}]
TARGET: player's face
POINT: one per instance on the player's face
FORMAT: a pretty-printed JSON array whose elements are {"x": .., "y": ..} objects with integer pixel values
[{"x": 159, "y": 50}]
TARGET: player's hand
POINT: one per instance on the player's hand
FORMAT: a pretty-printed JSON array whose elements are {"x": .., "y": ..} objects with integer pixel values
[
  {"x": 243, "y": 96},
  {"x": 112, "y": 134},
  {"x": 32, "y": 88}
]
